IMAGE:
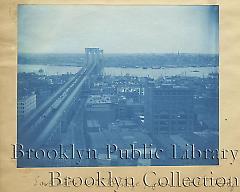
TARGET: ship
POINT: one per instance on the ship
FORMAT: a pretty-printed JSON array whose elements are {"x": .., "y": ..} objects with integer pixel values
[
  {"x": 41, "y": 71},
  {"x": 156, "y": 67}
]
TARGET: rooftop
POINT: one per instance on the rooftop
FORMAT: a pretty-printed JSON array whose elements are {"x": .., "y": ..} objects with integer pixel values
[
  {"x": 122, "y": 138},
  {"x": 25, "y": 97},
  {"x": 99, "y": 99},
  {"x": 92, "y": 123}
]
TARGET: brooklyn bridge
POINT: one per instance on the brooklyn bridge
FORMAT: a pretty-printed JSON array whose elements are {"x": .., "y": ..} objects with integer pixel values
[{"x": 60, "y": 118}]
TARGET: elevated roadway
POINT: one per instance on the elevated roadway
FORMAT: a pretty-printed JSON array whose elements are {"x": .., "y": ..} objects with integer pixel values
[{"x": 39, "y": 126}]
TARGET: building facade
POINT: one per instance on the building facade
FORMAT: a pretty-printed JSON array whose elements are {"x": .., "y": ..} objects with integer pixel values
[
  {"x": 100, "y": 108},
  {"x": 26, "y": 104},
  {"x": 168, "y": 109}
]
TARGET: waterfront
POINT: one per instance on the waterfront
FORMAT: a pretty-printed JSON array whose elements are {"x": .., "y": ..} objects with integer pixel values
[
  {"x": 47, "y": 69},
  {"x": 118, "y": 71},
  {"x": 163, "y": 72}
]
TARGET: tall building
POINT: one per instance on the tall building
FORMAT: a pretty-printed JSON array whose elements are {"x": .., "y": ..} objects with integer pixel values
[
  {"x": 168, "y": 109},
  {"x": 26, "y": 104}
]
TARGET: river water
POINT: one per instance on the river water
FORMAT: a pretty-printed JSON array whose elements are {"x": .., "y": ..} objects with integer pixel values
[
  {"x": 156, "y": 73},
  {"x": 117, "y": 71},
  {"x": 47, "y": 69}
]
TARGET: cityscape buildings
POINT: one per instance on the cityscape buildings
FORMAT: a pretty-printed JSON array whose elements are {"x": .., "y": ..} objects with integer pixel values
[
  {"x": 92, "y": 109},
  {"x": 26, "y": 104}
]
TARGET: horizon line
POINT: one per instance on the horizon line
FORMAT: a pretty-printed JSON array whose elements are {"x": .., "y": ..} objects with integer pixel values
[{"x": 159, "y": 53}]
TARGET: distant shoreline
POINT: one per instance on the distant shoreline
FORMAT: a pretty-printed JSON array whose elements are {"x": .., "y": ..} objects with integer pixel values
[
  {"x": 124, "y": 60},
  {"x": 132, "y": 67}
]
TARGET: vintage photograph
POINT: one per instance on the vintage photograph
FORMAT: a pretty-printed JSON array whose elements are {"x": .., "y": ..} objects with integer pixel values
[{"x": 117, "y": 85}]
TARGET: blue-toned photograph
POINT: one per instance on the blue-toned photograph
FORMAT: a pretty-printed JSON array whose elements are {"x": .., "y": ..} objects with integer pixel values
[{"x": 117, "y": 85}]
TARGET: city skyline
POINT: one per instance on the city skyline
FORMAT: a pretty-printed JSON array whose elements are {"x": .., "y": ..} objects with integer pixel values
[
  {"x": 117, "y": 29},
  {"x": 92, "y": 110}
]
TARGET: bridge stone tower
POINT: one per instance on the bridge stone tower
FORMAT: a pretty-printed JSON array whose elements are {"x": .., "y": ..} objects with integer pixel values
[{"x": 94, "y": 56}]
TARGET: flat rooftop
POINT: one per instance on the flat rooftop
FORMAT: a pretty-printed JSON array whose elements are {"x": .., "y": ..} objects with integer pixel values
[
  {"x": 122, "y": 138},
  {"x": 99, "y": 99}
]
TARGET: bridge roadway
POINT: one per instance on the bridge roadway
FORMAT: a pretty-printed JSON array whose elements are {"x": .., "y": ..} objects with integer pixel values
[
  {"x": 39, "y": 126},
  {"x": 35, "y": 116}
]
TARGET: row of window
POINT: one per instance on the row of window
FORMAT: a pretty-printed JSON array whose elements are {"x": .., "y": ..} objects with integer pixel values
[
  {"x": 156, "y": 123},
  {"x": 173, "y": 116},
  {"x": 168, "y": 129},
  {"x": 175, "y": 93}
]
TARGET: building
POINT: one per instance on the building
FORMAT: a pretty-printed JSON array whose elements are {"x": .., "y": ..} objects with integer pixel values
[
  {"x": 124, "y": 125},
  {"x": 26, "y": 104},
  {"x": 100, "y": 108},
  {"x": 93, "y": 126},
  {"x": 123, "y": 139},
  {"x": 168, "y": 109},
  {"x": 127, "y": 108}
]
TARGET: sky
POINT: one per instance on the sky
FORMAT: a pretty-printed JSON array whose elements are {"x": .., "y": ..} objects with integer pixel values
[{"x": 117, "y": 29}]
